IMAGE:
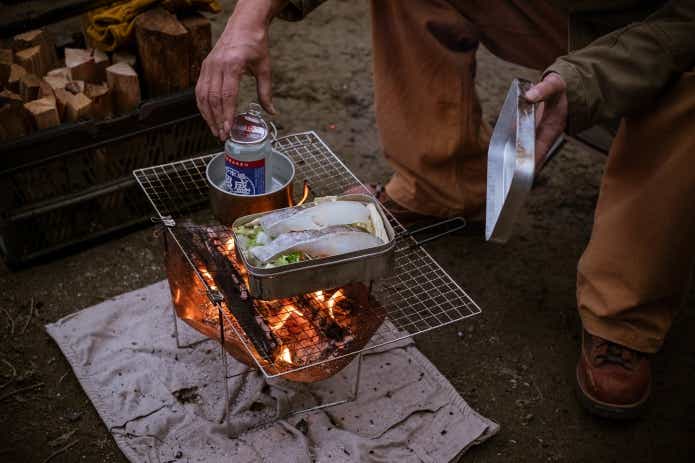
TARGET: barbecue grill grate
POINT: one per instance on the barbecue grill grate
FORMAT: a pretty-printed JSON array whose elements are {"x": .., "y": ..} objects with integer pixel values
[{"x": 419, "y": 296}]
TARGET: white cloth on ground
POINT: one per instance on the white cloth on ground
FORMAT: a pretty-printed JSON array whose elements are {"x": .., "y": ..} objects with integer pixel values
[{"x": 163, "y": 403}]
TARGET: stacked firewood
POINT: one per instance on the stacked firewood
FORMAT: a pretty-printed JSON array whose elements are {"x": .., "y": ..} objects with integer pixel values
[{"x": 39, "y": 90}]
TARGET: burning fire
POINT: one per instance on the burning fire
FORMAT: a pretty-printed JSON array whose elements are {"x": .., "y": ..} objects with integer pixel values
[
  {"x": 286, "y": 355},
  {"x": 338, "y": 295},
  {"x": 284, "y": 316}
]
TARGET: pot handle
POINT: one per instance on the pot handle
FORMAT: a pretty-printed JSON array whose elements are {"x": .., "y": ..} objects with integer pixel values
[{"x": 410, "y": 233}]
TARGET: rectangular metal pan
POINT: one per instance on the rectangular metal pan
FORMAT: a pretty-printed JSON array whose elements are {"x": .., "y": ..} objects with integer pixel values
[{"x": 331, "y": 272}]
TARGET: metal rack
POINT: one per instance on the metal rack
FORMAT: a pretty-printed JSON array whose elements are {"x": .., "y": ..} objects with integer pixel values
[{"x": 418, "y": 297}]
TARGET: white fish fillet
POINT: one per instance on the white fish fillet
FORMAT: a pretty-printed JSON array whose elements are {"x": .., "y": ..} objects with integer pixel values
[
  {"x": 323, "y": 214},
  {"x": 329, "y": 241}
]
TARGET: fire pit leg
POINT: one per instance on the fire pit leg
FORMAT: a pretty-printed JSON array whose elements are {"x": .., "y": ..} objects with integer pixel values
[
  {"x": 351, "y": 398},
  {"x": 180, "y": 344}
]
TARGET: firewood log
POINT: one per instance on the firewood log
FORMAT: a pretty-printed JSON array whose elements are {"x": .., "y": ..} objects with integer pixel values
[
  {"x": 78, "y": 107},
  {"x": 81, "y": 65},
  {"x": 125, "y": 86},
  {"x": 59, "y": 72},
  {"x": 30, "y": 59},
  {"x": 199, "y": 29},
  {"x": 16, "y": 74},
  {"x": 163, "y": 47},
  {"x": 101, "y": 60},
  {"x": 102, "y": 100},
  {"x": 62, "y": 97},
  {"x": 75, "y": 86},
  {"x": 56, "y": 82},
  {"x": 6, "y": 60},
  {"x": 47, "y": 50},
  {"x": 44, "y": 112},
  {"x": 124, "y": 57},
  {"x": 14, "y": 119},
  {"x": 29, "y": 86}
]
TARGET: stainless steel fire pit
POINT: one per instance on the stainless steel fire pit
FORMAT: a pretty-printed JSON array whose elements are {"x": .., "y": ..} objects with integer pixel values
[{"x": 417, "y": 297}]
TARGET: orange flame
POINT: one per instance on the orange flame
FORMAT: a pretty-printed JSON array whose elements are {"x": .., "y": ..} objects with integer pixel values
[
  {"x": 286, "y": 355},
  {"x": 284, "y": 316},
  {"x": 230, "y": 244},
  {"x": 331, "y": 302}
]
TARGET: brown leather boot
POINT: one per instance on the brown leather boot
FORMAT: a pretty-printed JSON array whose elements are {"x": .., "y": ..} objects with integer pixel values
[{"x": 613, "y": 381}]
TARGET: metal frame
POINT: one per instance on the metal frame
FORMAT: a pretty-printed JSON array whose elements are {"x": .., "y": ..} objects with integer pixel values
[{"x": 419, "y": 297}]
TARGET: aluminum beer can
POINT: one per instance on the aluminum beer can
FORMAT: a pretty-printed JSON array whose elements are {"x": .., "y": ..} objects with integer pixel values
[{"x": 247, "y": 154}]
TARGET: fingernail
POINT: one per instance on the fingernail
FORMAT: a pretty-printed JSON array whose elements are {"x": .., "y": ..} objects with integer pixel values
[
  {"x": 227, "y": 127},
  {"x": 532, "y": 94},
  {"x": 221, "y": 134},
  {"x": 273, "y": 110}
]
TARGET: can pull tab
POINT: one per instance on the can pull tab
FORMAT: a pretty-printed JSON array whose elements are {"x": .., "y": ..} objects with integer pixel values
[{"x": 255, "y": 110}]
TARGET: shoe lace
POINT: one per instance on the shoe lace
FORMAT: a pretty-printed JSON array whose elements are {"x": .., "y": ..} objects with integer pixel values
[{"x": 609, "y": 352}]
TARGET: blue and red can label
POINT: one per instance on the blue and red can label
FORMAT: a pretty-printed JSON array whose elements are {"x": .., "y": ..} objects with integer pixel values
[{"x": 244, "y": 177}]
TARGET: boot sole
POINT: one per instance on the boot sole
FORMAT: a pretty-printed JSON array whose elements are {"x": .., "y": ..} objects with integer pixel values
[{"x": 610, "y": 411}]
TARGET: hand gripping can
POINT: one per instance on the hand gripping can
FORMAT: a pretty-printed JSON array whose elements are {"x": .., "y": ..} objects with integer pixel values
[{"x": 247, "y": 154}]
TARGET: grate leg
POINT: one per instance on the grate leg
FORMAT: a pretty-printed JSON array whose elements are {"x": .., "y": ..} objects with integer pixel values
[{"x": 177, "y": 336}]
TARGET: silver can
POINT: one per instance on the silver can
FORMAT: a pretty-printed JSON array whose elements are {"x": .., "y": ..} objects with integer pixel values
[{"x": 248, "y": 154}]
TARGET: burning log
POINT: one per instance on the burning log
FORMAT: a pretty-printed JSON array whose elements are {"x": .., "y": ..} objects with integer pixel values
[{"x": 230, "y": 285}]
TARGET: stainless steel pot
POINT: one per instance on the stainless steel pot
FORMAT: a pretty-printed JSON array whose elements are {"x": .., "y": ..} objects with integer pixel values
[
  {"x": 327, "y": 273},
  {"x": 227, "y": 206}
]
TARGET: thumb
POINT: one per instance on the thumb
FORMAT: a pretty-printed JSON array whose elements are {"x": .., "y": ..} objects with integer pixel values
[{"x": 543, "y": 90}]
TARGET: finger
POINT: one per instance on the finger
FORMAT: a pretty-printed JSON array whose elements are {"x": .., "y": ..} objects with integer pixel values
[
  {"x": 216, "y": 107},
  {"x": 230, "y": 91},
  {"x": 546, "y": 135},
  {"x": 202, "y": 96},
  {"x": 543, "y": 90},
  {"x": 264, "y": 86}
]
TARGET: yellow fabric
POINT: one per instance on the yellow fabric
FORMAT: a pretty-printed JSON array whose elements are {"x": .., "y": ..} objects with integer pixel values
[{"x": 111, "y": 26}]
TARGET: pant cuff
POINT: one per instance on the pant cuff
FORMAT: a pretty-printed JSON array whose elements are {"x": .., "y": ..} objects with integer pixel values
[
  {"x": 619, "y": 332},
  {"x": 402, "y": 192}
]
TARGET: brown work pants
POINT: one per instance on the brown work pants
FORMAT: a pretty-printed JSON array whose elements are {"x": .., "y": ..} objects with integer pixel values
[{"x": 636, "y": 268}]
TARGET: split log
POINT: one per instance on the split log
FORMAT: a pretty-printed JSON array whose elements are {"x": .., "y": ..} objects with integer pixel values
[
  {"x": 47, "y": 50},
  {"x": 101, "y": 60},
  {"x": 124, "y": 57},
  {"x": 125, "y": 86},
  {"x": 59, "y": 72},
  {"x": 16, "y": 74},
  {"x": 6, "y": 60},
  {"x": 200, "y": 44},
  {"x": 29, "y": 86},
  {"x": 81, "y": 65},
  {"x": 78, "y": 107},
  {"x": 229, "y": 283},
  {"x": 44, "y": 113},
  {"x": 75, "y": 86},
  {"x": 56, "y": 82},
  {"x": 163, "y": 47},
  {"x": 45, "y": 90},
  {"x": 30, "y": 59},
  {"x": 102, "y": 100},
  {"x": 62, "y": 97},
  {"x": 14, "y": 119}
]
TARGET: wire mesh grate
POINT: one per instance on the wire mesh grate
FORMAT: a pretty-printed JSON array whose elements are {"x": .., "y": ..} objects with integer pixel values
[{"x": 417, "y": 297}]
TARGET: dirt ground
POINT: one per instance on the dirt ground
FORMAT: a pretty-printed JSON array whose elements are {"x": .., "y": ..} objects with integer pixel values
[{"x": 514, "y": 363}]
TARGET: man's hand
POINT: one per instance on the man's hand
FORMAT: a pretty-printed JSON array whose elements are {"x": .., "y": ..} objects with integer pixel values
[
  {"x": 550, "y": 94},
  {"x": 242, "y": 48}
]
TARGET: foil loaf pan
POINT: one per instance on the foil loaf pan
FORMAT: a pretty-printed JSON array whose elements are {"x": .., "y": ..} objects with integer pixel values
[{"x": 326, "y": 273}]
